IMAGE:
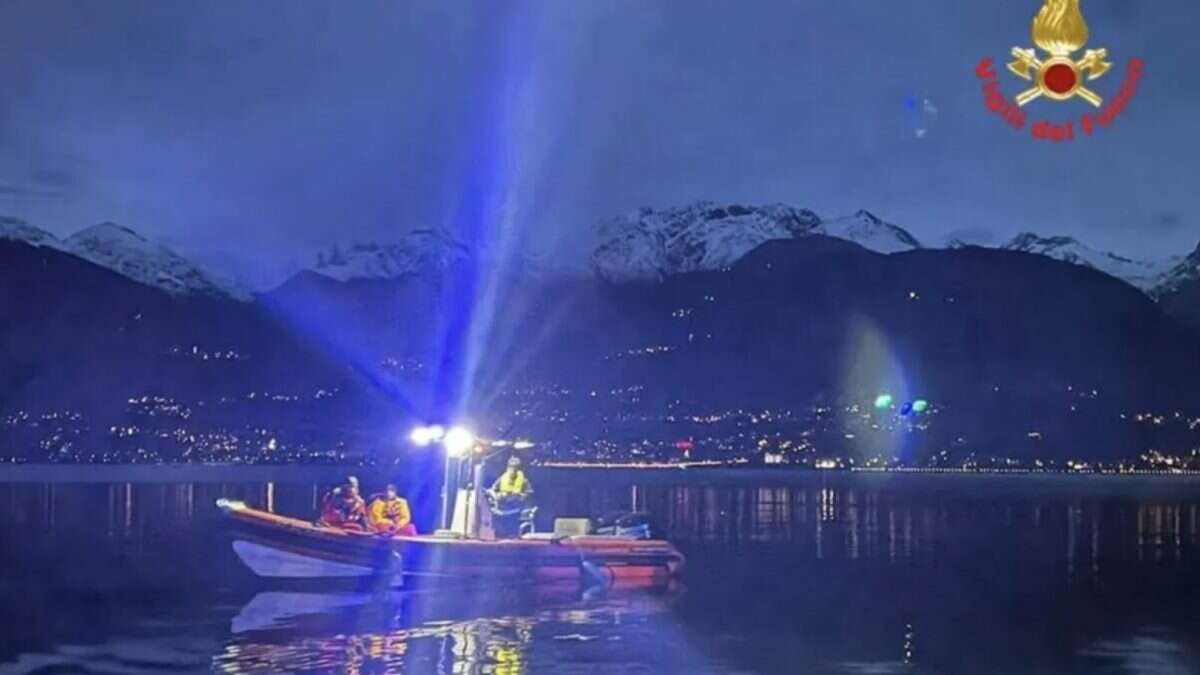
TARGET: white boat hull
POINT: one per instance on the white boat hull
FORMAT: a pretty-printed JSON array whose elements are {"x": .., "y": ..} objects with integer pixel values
[{"x": 272, "y": 562}]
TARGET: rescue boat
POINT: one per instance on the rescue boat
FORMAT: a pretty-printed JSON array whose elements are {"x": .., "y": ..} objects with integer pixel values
[{"x": 281, "y": 547}]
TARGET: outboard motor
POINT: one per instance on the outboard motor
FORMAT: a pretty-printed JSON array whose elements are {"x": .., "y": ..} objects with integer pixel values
[{"x": 624, "y": 524}]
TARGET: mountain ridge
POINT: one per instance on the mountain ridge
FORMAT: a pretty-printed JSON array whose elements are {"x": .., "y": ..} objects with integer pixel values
[
  {"x": 420, "y": 250},
  {"x": 705, "y": 236},
  {"x": 646, "y": 244},
  {"x": 123, "y": 250},
  {"x": 1142, "y": 274},
  {"x": 994, "y": 339}
]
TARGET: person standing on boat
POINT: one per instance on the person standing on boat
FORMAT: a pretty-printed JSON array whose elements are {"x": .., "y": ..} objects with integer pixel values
[
  {"x": 512, "y": 485},
  {"x": 511, "y": 495},
  {"x": 344, "y": 507},
  {"x": 389, "y": 514}
]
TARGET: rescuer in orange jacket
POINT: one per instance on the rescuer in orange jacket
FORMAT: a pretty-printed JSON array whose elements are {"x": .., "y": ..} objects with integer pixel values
[
  {"x": 389, "y": 514},
  {"x": 343, "y": 507}
]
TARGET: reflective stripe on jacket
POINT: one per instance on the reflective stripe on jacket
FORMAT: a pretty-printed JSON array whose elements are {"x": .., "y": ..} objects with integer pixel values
[{"x": 512, "y": 483}]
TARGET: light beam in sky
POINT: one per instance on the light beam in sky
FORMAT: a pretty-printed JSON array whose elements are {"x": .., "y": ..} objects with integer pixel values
[{"x": 873, "y": 372}]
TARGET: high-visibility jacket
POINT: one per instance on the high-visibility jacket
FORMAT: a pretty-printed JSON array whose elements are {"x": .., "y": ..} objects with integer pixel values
[
  {"x": 513, "y": 483},
  {"x": 342, "y": 510},
  {"x": 389, "y": 514}
]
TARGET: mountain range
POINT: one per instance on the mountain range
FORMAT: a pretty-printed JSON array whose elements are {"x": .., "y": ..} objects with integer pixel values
[
  {"x": 646, "y": 244},
  {"x": 691, "y": 319},
  {"x": 654, "y": 244},
  {"x": 422, "y": 251},
  {"x": 131, "y": 255}
]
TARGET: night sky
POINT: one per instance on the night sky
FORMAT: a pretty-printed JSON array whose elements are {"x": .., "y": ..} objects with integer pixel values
[{"x": 249, "y": 134}]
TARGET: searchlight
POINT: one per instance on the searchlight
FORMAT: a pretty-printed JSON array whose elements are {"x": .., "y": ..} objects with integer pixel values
[
  {"x": 458, "y": 441},
  {"x": 420, "y": 436},
  {"x": 423, "y": 436}
]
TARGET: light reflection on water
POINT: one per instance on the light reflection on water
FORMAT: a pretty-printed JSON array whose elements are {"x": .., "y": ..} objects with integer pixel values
[
  {"x": 815, "y": 575},
  {"x": 495, "y": 644},
  {"x": 856, "y": 523}
]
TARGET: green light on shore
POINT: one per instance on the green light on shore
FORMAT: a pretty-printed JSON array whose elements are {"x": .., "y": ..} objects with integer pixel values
[
  {"x": 883, "y": 401},
  {"x": 920, "y": 405}
]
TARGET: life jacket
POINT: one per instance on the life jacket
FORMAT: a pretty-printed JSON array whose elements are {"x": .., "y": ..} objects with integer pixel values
[
  {"x": 341, "y": 509},
  {"x": 512, "y": 483},
  {"x": 389, "y": 512}
]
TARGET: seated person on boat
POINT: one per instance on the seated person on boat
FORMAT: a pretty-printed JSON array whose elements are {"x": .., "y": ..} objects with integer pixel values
[
  {"x": 389, "y": 514},
  {"x": 343, "y": 507}
]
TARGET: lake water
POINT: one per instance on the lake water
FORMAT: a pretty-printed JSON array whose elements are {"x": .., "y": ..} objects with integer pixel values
[{"x": 786, "y": 573}]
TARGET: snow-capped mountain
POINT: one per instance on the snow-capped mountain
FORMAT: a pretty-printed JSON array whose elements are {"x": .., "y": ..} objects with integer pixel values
[
  {"x": 418, "y": 251},
  {"x": 704, "y": 236},
  {"x": 19, "y": 230},
  {"x": 869, "y": 231},
  {"x": 1144, "y": 274},
  {"x": 129, "y": 254},
  {"x": 652, "y": 244},
  {"x": 1184, "y": 270}
]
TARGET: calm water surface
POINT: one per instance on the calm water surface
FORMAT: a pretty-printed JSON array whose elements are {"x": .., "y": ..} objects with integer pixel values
[{"x": 786, "y": 574}]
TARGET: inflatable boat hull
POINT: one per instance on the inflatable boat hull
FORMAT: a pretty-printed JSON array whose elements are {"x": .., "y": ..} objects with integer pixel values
[{"x": 277, "y": 546}]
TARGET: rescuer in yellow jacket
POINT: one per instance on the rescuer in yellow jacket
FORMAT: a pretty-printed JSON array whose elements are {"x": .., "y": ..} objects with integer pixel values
[
  {"x": 389, "y": 514},
  {"x": 512, "y": 483}
]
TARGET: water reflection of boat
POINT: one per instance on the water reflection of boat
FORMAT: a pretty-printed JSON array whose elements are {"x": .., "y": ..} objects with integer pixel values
[
  {"x": 277, "y": 546},
  {"x": 484, "y": 629},
  {"x": 308, "y": 612}
]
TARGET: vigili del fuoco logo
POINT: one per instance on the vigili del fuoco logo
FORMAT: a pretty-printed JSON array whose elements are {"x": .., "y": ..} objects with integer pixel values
[{"x": 1057, "y": 76}]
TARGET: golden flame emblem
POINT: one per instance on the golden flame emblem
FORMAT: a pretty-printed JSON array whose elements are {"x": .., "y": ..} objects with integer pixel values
[{"x": 1060, "y": 30}]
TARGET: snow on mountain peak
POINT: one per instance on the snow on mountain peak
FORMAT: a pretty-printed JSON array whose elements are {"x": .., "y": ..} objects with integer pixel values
[
  {"x": 652, "y": 244},
  {"x": 129, "y": 254},
  {"x": 1029, "y": 242},
  {"x": 1183, "y": 270},
  {"x": 418, "y": 251},
  {"x": 1146, "y": 275},
  {"x": 18, "y": 230},
  {"x": 870, "y": 231}
]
